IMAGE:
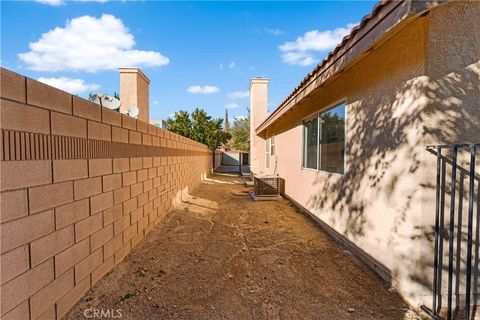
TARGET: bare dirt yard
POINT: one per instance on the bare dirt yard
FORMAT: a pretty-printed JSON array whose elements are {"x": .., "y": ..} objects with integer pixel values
[{"x": 223, "y": 256}]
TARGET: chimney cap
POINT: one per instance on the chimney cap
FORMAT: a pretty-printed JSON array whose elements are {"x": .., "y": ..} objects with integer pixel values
[
  {"x": 258, "y": 80},
  {"x": 134, "y": 70}
]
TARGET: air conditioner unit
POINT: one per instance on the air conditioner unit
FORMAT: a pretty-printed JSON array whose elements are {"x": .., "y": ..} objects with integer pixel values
[{"x": 266, "y": 187}]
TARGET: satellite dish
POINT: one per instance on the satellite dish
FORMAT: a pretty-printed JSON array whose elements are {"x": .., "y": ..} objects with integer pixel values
[
  {"x": 106, "y": 101},
  {"x": 133, "y": 111}
]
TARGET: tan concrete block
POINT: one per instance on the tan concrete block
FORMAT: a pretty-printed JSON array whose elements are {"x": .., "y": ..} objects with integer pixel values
[
  {"x": 112, "y": 182},
  {"x": 87, "y": 187},
  {"x": 129, "y": 178},
  {"x": 70, "y": 257},
  {"x": 143, "y": 223},
  {"x": 70, "y": 213},
  {"x": 147, "y": 185},
  {"x": 103, "y": 269},
  {"x": 142, "y": 126},
  {"x": 22, "y": 174},
  {"x": 121, "y": 224},
  {"x": 147, "y": 208},
  {"x": 12, "y": 85},
  {"x": 135, "y": 215},
  {"x": 122, "y": 253},
  {"x": 13, "y": 204},
  {"x": 111, "y": 117},
  {"x": 86, "y": 109},
  {"x": 121, "y": 165},
  {"x": 134, "y": 137},
  {"x": 22, "y": 231},
  {"x": 99, "y": 167},
  {"x": 67, "y": 302},
  {"x": 142, "y": 199},
  {"x": 51, "y": 244},
  {"x": 152, "y": 129},
  {"x": 121, "y": 195},
  {"x": 20, "y": 117},
  {"x": 65, "y": 170},
  {"x": 45, "y": 96},
  {"x": 112, "y": 214},
  {"x": 112, "y": 246},
  {"x": 152, "y": 194},
  {"x": 101, "y": 202},
  {"x": 136, "y": 189},
  {"x": 147, "y": 162},
  {"x": 129, "y": 233},
  {"x": 155, "y": 141},
  {"x": 129, "y": 122},
  {"x": 20, "y": 312},
  {"x": 86, "y": 266},
  {"x": 130, "y": 205},
  {"x": 163, "y": 142},
  {"x": 101, "y": 237},
  {"x": 136, "y": 163},
  {"x": 87, "y": 226},
  {"x": 24, "y": 286},
  {"x": 50, "y": 196},
  {"x": 138, "y": 238},
  {"x": 99, "y": 131},
  {"x": 161, "y": 132},
  {"x": 66, "y": 125},
  {"x": 48, "y": 296},
  {"x": 148, "y": 229},
  {"x": 14, "y": 263},
  {"x": 146, "y": 139},
  {"x": 48, "y": 315},
  {"x": 142, "y": 175},
  {"x": 119, "y": 135},
  {"x": 152, "y": 173}
]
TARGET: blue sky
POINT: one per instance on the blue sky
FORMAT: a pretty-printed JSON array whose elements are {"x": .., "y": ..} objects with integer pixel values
[{"x": 196, "y": 54}]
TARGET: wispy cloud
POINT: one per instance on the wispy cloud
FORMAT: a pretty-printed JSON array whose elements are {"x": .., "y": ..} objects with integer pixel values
[
  {"x": 303, "y": 51},
  {"x": 74, "y": 86},
  {"x": 155, "y": 102},
  {"x": 89, "y": 44},
  {"x": 231, "y": 105},
  {"x": 238, "y": 94},
  {"x": 203, "y": 89},
  {"x": 274, "y": 32},
  {"x": 231, "y": 65}
]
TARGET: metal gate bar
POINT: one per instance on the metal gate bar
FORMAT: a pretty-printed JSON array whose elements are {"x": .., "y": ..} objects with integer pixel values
[{"x": 455, "y": 218}]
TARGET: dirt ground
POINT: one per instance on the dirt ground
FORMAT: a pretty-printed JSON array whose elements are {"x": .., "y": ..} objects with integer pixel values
[{"x": 223, "y": 256}]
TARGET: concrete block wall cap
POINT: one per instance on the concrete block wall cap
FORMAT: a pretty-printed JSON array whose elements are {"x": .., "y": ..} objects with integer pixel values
[{"x": 134, "y": 70}]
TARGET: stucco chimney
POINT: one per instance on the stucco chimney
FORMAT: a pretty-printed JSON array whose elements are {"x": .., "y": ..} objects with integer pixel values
[
  {"x": 134, "y": 91},
  {"x": 258, "y": 113}
]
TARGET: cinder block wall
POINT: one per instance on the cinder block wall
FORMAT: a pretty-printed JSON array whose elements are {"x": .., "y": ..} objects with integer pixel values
[{"x": 81, "y": 185}]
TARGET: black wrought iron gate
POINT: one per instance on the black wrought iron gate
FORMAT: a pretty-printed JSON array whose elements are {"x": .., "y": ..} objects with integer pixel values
[{"x": 457, "y": 187}]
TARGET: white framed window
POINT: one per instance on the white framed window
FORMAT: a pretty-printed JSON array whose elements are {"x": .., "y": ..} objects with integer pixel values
[
  {"x": 324, "y": 140},
  {"x": 269, "y": 150}
]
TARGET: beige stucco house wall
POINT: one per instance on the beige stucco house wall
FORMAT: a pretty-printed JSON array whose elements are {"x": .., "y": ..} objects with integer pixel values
[{"x": 417, "y": 84}]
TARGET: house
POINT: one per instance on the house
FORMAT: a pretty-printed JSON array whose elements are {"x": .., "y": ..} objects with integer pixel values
[
  {"x": 349, "y": 140},
  {"x": 159, "y": 123}
]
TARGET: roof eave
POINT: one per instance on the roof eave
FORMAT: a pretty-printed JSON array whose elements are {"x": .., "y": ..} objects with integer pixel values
[{"x": 383, "y": 18}]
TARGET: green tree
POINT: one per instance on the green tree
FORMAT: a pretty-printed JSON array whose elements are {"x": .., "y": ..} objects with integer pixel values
[
  {"x": 240, "y": 134},
  {"x": 199, "y": 127},
  {"x": 181, "y": 124}
]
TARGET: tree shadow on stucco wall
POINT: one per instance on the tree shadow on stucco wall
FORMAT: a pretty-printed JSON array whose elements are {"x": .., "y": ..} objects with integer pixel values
[{"x": 387, "y": 161}]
